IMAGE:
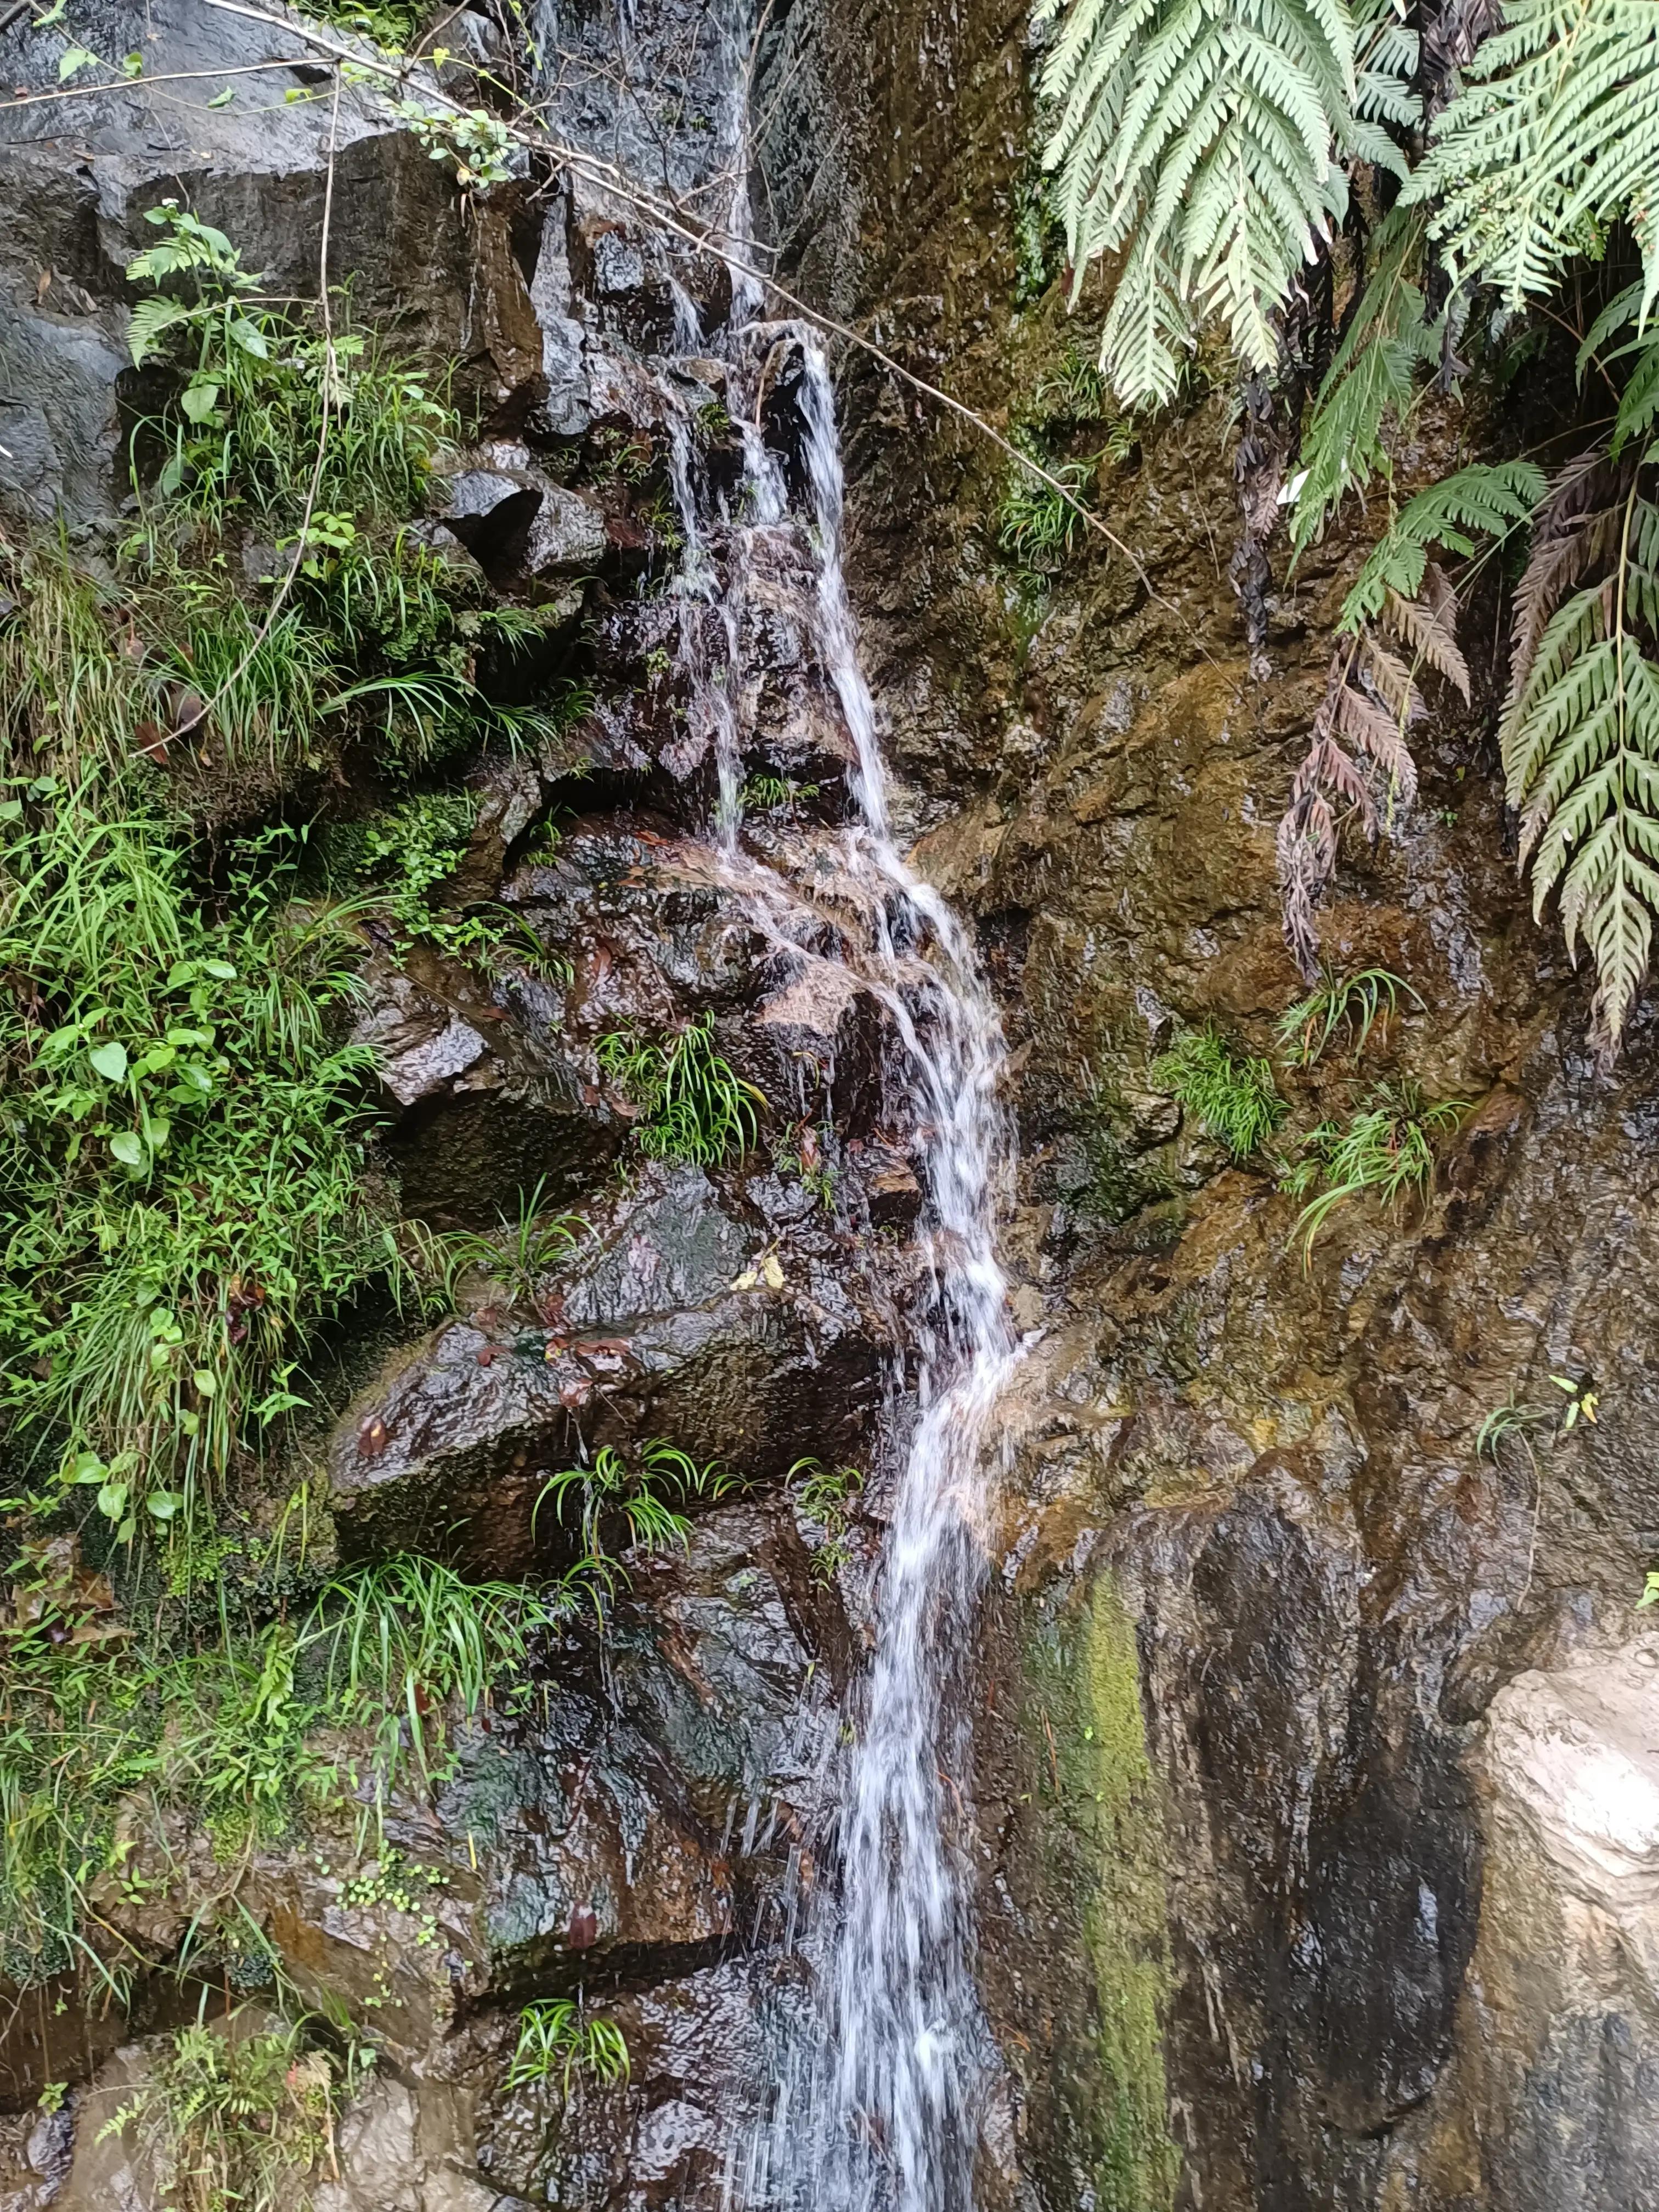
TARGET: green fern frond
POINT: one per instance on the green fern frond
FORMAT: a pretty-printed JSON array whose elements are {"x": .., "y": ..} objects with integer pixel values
[
  {"x": 1369, "y": 379},
  {"x": 1580, "y": 735},
  {"x": 1488, "y": 499},
  {"x": 1207, "y": 137},
  {"x": 1556, "y": 128},
  {"x": 1639, "y": 400}
]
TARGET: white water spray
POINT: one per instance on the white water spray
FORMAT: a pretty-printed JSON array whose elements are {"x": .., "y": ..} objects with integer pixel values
[
  {"x": 877, "y": 2096},
  {"x": 875, "y": 2106}
]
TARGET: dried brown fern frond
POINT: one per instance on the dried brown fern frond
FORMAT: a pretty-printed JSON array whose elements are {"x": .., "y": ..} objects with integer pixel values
[{"x": 1357, "y": 757}]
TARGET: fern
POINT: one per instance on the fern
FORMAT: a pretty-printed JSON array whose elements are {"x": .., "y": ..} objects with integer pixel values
[
  {"x": 1370, "y": 378},
  {"x": 1357, "y": 757},
  {"x": 1580, "y": 733},
  {"x": 1638, "y": 402},
  {"x": 1554, "y": 134},
  {"x": 1206, "y": 138},
  {"x": 1485, "y": 499}
]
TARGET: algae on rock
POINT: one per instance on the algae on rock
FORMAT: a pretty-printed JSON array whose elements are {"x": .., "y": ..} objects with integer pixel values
[{"x": 1109, "y": 1841}]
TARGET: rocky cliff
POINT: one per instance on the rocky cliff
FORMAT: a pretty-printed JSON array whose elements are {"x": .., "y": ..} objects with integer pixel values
[{"x": 1313, "y": 1808}]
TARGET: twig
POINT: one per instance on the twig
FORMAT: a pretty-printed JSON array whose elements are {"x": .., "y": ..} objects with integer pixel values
[{"x": 143, "y": 83}]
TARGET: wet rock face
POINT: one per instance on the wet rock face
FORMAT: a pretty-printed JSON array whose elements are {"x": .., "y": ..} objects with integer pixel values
[
  {"x": 1316, "y": 1846},
  {"x": 1355, "y": 1634}
]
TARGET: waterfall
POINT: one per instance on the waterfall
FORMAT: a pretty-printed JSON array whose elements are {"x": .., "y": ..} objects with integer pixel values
[
  {"x": 891, "y": 2109},
  {"x": 875, "y": 2103}
]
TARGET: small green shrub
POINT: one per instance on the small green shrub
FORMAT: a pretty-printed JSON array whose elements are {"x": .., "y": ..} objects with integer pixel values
[
  {"x": 693, "y": 1104},
  {"x": 391, "y": 25},
  {"x": 380, "y": 636},
  {"x": 231, "y": 2122},
  {"x": 1387, "y": 1147},
  {"x": 1354, "y": 1004},
  {"x": 556, "y": 2036},
  {"x": 1235, "y": 1100}
]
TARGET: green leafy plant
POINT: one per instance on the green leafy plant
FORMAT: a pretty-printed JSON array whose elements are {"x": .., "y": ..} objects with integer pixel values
[
  {"x": 390, "y": 24},
  {"x": 183, "y": 1185},
  {"x": 1372, "y": 381},
  {"x": 1513, "y": 1425},
  {"x": 1387, "y": 1147},
  {"x": 233, "y": 2120},
  {"x": 480, "y": 145},
  {"x": 556, "y": 2036},
  {"x": 1352, "y": 1003},
  {"x": 693, "y": 1105},
  {"x": 1491, "y": 499},
  {"x": 1236, "y": 1100},
  {"x": 1583, "y": 1399},
  {"x": 408, "y": 854}
]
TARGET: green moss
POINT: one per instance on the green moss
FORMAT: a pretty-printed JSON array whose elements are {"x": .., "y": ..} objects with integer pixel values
[
  {"x": 1102, "y": 1854},
  {"x": 1124, "y": 1919}
]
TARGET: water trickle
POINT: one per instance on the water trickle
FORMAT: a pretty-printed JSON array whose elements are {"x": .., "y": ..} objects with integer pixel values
[{"x": 876, "y": 2100}]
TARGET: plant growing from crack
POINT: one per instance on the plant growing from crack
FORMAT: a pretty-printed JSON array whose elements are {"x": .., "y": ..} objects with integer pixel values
[
  {"x": 1352, "y": 1005},
  {"x": 557, "y": 2037},
  {"x": 644, "y": 1492},
  {"x": 693, "y": 1104},
  {"x": 1387, "y": 1147},
  {"x": 828, "y": 1497}
]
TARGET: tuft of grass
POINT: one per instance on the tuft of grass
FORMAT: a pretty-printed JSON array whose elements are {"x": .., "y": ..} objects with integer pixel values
[
  {"x": 231, "y": 2121},
  {"x": 611, "y": 1489},
  {"x": 1236, "y": 1100},
  {"x": 556, "y": 2036},
  {"x": 1354, "y": 1004},
  {"x": 403, "y": 1641},
  {"x": 518, "y": 1257},
  {"x": 828, "y": 1496},
  {"x": 1388, "y": 1148},
  {"x": 693, "y": 1104},
  {"x": 765, "y": 793},
  {"x": 1037, "y": 527}
]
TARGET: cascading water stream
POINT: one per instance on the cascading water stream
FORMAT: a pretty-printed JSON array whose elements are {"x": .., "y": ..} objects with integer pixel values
[{"x": 876, "y": 2100}]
